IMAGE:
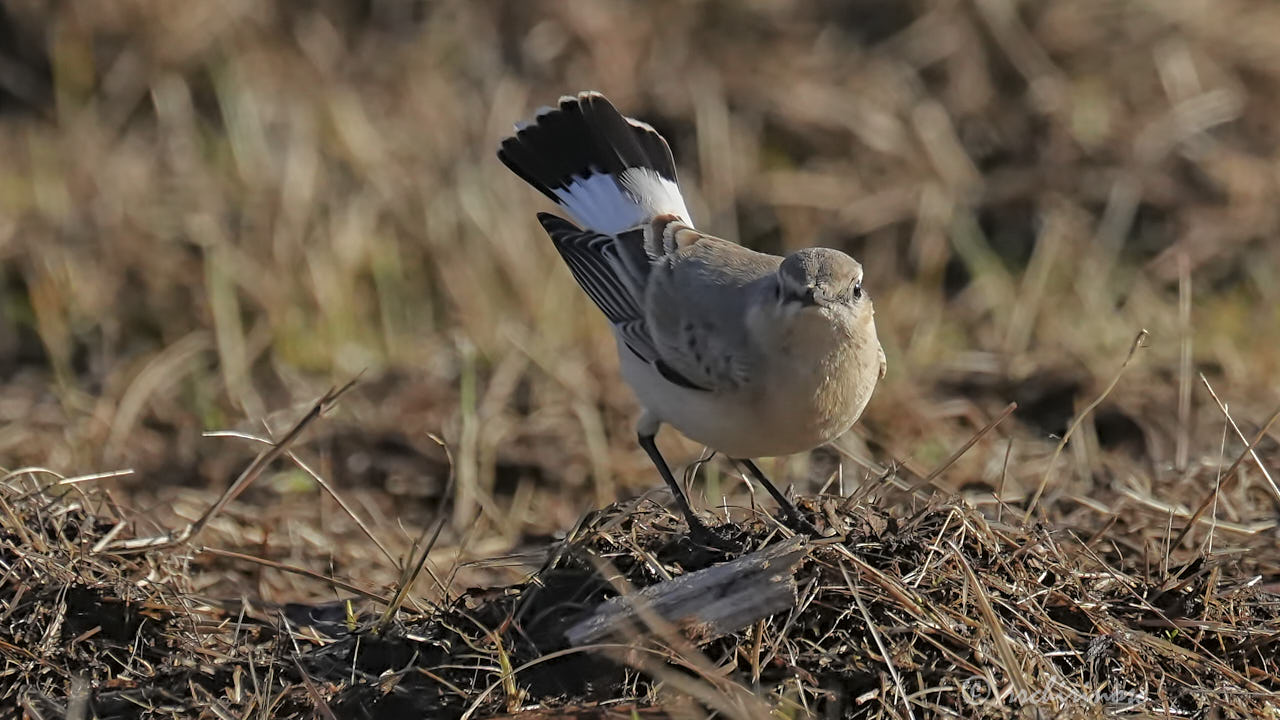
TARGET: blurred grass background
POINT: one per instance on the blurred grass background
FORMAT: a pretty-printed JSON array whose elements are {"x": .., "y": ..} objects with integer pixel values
[{"x": 211, "y": 212}]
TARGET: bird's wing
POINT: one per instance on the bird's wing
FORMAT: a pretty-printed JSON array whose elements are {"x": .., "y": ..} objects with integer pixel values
[
  {"x": 696, "y": 308},
  {"x": 612, "y": 270},
  {"x": 682, "y": 312}
]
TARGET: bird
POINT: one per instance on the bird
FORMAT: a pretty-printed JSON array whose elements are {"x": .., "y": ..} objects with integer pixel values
[{"x": 748, "y": 353}]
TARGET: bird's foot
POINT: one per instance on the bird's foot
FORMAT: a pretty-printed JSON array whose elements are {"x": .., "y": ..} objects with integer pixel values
[
  {"x": 799, "y": 524},
  {"x": 702, "y": 534}
]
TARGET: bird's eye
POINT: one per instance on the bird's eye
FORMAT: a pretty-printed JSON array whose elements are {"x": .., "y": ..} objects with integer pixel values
[{"x": 857, "y": 290}]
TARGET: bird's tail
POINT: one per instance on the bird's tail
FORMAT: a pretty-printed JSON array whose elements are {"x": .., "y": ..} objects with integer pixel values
[{"x": 612, "y": 173}]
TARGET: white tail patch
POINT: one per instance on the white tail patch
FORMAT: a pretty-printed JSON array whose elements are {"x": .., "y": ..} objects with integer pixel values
[{"x": 610, "y": 206}]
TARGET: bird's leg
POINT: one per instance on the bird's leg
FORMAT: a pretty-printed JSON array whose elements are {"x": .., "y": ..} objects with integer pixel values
[
  {"x": 697, "y": 528},
  {"x": 788, "y": 509}
]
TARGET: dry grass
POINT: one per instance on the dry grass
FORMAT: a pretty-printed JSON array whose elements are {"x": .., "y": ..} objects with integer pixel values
[
  {"x": 925, "y": 609},
  {"x": 212, "y": 213}
]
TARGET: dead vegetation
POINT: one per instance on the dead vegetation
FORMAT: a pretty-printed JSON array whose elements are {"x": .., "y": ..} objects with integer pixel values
[
  {"x": 929, "y": 608},
  {"x": 212, "y": 212}
]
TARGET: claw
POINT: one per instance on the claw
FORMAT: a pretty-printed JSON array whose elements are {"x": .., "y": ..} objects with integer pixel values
[{"x": 700, "y": 533}]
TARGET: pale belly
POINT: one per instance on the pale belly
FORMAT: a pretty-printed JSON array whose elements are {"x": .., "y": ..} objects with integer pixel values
[{"x": 789, "y": 414}]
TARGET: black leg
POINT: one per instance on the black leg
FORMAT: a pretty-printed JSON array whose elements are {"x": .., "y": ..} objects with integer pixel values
[
  {"x": 788, "y": 509},
  {"x": 697, "y": 528}
]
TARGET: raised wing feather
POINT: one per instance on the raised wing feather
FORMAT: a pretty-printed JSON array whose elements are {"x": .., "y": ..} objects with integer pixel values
[{"x": 610, "y": 274}]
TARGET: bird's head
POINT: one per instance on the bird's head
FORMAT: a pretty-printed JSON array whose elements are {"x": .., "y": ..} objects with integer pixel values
[{"x": 821, "y": 279}]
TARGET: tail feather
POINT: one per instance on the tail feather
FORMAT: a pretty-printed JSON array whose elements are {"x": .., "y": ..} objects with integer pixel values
[{"x": 610, "y": 172}]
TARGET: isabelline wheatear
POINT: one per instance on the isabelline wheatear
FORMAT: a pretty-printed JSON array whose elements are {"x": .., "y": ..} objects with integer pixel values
[{"x": 753, "y": 355}]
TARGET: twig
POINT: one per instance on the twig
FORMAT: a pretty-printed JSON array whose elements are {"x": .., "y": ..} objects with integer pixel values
[
  {"x": 321, "y": 706},
  {"x": 1226, "y": 479},
  {"x": 412, "y": 568},
  {"x": 1044, "y": 481},
  {"x": 333, "y": 493},
  {"x": 1184, "y": 363},
  {"x": 707, "y": 603},
  {"x": 1004, "y": 475},
  {"x": 1275, "y": 490},
  {"x": 875, "y": 635},
  {"x": 246, "y": 478},
  {"x": 95, "y": 476},
  {"x": 324, "y": 485},
  {"x": 335, "y": 582},
  {"x": 742, "y": 704},
  {"x": 928, "y": 479},
  {"x": 1003, "y": 648},
  {"x": 475, "y": 704}
]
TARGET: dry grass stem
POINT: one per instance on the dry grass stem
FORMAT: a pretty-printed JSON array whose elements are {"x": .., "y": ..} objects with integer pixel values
[{"x": 1044, "y": 480}]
